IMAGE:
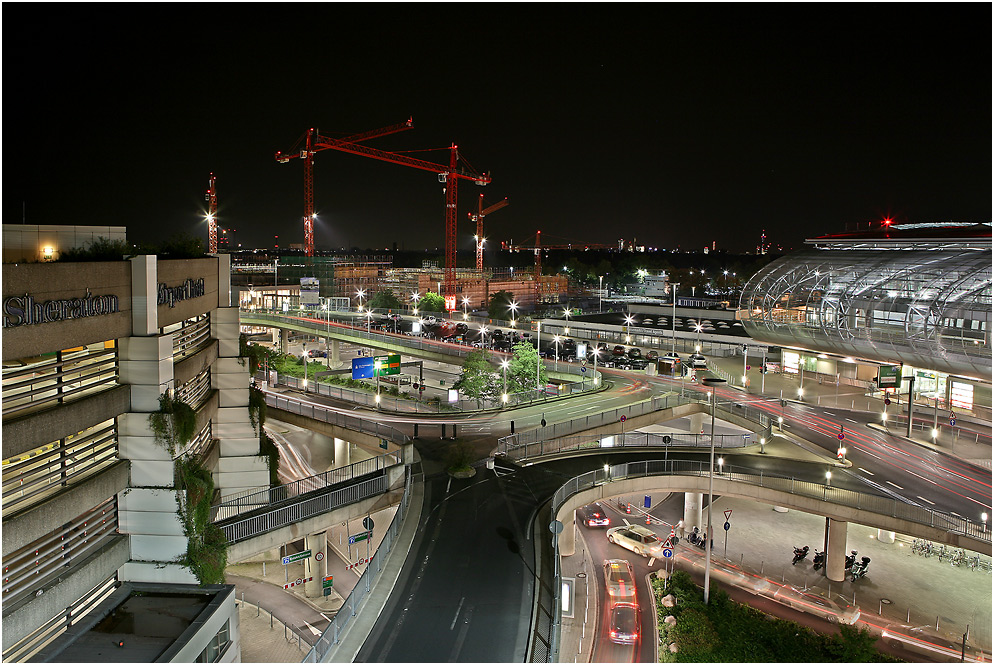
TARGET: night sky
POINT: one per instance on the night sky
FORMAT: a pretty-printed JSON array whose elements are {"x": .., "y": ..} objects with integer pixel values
[{"x": 677, "y": 125}]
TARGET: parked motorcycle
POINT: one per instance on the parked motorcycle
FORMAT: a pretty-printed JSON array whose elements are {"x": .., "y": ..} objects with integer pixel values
[
  {"x": 851, "y": 559},
  {"x": 819, "y": 560},
  {"x": 859, "y": 569},
  {"x": 799, "y": 553}
]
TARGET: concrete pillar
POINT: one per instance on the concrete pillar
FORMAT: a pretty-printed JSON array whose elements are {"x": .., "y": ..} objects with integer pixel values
[
  {"x": 885, "y": 536},
  {"x": 567, "y": 539},
  {"x": 343, "y": 456},
  {"x": 835, "y": 550},
  {"x": 312, "y": 567},
  {"x": 692, "y": 510},
  {"x": 696, "y": 423},
  {"x": 335, "y": 358}
]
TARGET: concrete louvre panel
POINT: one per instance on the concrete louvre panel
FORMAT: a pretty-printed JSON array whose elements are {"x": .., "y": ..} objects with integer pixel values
[
  {"x": 146, "y": 398},
  {"x": 235, "y": 430},
  {"x": 232, "y": 414},
  {"x": 157, "y": 548},
  {"x": 156, "y": 524},
  {"x": 148, "y": 499},
  {"x": 149, "y": 473},
  {"x": 133, "y": 424},
  {"x": 137, "y": 571},
  {"x": 142, "y": 448},
  {"x": 154, "y": 347},
  {"x": 239, "y": 447},
  {"x": 234, "y": 398},
  {"x": 244, "y": 464},
  {"x": 230, "y": 365},
  {"x": 230, "y": 381},
  {"x": 227, "y": 348}
]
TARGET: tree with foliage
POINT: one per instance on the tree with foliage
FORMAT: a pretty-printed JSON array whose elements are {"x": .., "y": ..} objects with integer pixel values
[
  {"x": 431, "y": 302},
  {"x": 521, "y": 370},
  {"x": 385, "y": 299},
  {"x": 479, "y": 381},
  {"x": 499, "y": 306}
]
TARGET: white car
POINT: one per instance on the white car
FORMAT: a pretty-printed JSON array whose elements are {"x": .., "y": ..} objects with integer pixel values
[
  {"x": 697, "y": 361},
  {"x": 638, "y": 539},
  {"x": 619, "y": 580},
  {"x": 430, "y": 319}
]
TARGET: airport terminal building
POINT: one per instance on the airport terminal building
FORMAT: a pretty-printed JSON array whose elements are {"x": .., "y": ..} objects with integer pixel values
[
  {"x": 917, "y": 295},
  {"x": 91, "y": 499}
]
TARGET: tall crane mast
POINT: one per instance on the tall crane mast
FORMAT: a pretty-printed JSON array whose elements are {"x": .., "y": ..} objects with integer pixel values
[
  {"x": 478, "y": 218},
  {"x": 307, "y": 154},
  {"x": 448, "y": 175},
  {"x": 212, "y": 215}
]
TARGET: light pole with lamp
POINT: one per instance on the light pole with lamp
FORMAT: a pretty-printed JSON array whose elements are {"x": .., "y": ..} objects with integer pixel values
[
  {"x": 503, "y": 365},
  {"x": 673, "y": 321},
  {"x": 555, "y": 340},
  {"x": 360, "y": 293},
  {"x": 415, "y": 297},
  {"x": 538, "y": 356},
  {"x": 600, "y": 294},
  {"x": 465, "y": 302},
  {"x": 983, "y": 518},
  {"x": 483, "y": 338},
  {"x": 566, "y": 312},
  {"x": 698, "y": 327},
  {"x": 514, "y": 312},
  {"x": 713, "y": 382}
]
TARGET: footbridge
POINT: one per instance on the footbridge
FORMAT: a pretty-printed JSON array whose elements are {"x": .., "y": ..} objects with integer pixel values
[{"x": 257, "y": 521}]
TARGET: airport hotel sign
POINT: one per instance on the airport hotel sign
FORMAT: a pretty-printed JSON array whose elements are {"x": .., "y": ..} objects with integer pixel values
[
  {"x": 170, "y": 295},
  {"x": 24, "y": 311}
]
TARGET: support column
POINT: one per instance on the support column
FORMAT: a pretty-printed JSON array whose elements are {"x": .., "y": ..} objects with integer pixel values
[
  {"x": 835, "y": 550},
  {"x": 885, "y": 536},
  {"x": 696, "y": 423},
  {"x": 312, "y": 567},
  {"x": 567, "y": 539},
  {"x": 343, "y": 455},
  {"x": 335, "y": 358},
  {"x": 692, "y": 510}
]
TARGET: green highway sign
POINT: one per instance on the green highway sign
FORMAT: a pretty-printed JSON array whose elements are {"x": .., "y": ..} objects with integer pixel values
[
  {"x": 328, "y": 582},
  {"x": 889, "y": 376},
  {"x": 306, "y": 554},
  {"x": 359, "y": 536},
  {"x": 386, "y": 365}
]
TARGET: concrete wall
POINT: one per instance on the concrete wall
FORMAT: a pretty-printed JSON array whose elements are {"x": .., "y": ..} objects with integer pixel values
[
  {"x": 66, "y": 590},
  {"x": 43, "y": 427}
]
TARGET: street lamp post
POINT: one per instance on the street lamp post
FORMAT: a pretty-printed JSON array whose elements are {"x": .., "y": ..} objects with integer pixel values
[
  {"x": 600, "y": 294},
  {"x": 699, "y": 328},
  {"x": 713, "y": 382},
  {"x": 465, "y": 302},
  {"x": 360, "y": 293},
  {"x": 538, "y": 356},
  {"x": 673, "y": 321},
  {"x": 555, "y": 340},
  {"x": 514, "y": 312},
  {"x": 566, "y": 312},
  {"x": 503, "y": 366},
  {"x": 983, "y": 518}
]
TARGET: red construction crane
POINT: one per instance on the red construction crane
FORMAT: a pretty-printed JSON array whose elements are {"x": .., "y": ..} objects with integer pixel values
[
  {"x": 449, "y": 175},
  {"x": 478, "y": 218},
  {"x": 306, "y": 153},
  {"x": 538, "y": 247},
  {"x": 212, "y": 215}
]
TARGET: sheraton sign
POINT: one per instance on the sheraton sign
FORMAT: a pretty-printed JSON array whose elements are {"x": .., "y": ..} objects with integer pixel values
[{"x": 24, "y": 311}]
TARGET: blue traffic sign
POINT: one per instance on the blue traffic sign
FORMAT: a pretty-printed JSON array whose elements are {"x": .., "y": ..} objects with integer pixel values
[
  {"x": 727, "y": 526},
  {"x": 667, "y": 552},
  {"x": 952, "y": 422},
  {"x": 362, "y": 368}
]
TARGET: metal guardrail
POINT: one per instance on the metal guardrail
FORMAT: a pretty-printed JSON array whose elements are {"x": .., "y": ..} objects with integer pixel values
[
  {"x": 880, "y": 505},
  {"x": 628, "y": 440},
  {"x": 329, "y": 640},
  {"x": 236, "y": 530},
  {"x": 321, "y": 413},
  {"x": 254, "y": 499}
]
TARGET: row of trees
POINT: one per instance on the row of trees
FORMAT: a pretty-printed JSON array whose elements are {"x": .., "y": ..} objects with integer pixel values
[{"x": 482, "y": 380}]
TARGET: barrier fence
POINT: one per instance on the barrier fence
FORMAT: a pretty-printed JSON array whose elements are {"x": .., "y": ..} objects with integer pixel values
[{"x": 324, "y": 414}]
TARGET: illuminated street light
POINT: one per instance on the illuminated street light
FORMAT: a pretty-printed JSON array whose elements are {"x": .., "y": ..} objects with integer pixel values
[
  {"x": 514, "y": 311},
  {"x": 698, "y": 327},
  {"x": 465, "y": 302},
  {"x": 713, "y": 383},
  {"x": 360, "y": 293},
  {"x": 828, "y": 477},
  {"x": 566, "y": 312},
  {"x": 983, "y": 518},
  {"x": 503, "y": 364}
]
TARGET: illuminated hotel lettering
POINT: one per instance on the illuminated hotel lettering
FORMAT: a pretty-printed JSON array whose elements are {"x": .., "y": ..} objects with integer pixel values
[
  {"x": 24, "y": 311},
  {"x": 170, "y": 295}
]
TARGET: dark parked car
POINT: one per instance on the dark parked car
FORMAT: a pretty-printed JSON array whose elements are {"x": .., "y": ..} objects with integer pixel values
[
  {"x": 634, "y": 352},
  {"x": 652, "y": 356},
  {"x": 618, "y": 350},
  {"x": 593, "y": 515}
]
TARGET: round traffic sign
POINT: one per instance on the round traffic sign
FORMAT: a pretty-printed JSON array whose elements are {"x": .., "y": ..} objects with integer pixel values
[
  {"x": 583, "y": 369},
  {"x": 887, "y": 401},
  {"x": 624, "y": 418},
  {"x": 748, "y": 367},
  {"x": 667, "y": 553},
  {"x": 300, "y": 580},
  {"x": 727, "y": 526},
  {"x": 842, "y": 436},
  {"x": 667, "y": 439},
  {"x": 319, "y": 556},
  {"x": 952, "y": 422}
]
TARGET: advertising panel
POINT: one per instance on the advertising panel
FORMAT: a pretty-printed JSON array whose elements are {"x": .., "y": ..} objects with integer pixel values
[{"x": 309, "y": 288}]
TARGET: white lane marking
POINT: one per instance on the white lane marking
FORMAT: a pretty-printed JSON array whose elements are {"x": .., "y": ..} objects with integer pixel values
[
  {"x": 312, "y": 628},
  {"x": 865, "y": 471},
  {"x": 926, "y": 500},
  {"x": 865, "y": 452},
  {"x": 458, "y": 609},
  {"x": 922, "y": 477},
  {"x": 895, "y": 485},
  {"x": 852, "y": 421},
  {"x": 325, "y": 616}
]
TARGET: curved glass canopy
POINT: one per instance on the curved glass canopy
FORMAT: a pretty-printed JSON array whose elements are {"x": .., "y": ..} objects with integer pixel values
[{"x": 929, "y": 307}]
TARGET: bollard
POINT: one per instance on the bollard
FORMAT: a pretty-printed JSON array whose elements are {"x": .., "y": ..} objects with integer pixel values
[{"x": 909, "y": 616}]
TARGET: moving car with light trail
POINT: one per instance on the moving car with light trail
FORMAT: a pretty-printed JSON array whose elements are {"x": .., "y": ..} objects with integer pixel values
[
  {"x": 637, "y": 539},
  {"x": 619, "y": 580}
]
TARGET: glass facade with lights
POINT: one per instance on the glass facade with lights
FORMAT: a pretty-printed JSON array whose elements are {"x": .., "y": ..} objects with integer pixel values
[{"x": 915, "y": 294}]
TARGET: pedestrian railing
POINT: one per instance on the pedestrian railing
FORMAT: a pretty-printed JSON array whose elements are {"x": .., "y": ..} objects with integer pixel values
[
  {"x": 246, "y": 500},
  {"x": 241, "y": 528},
  {"x": 322, "y": 413},
  {"x": 323, "y": 650},
  {"x": 628, "y": 440},
  {"x": 863, "y": 501}
]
